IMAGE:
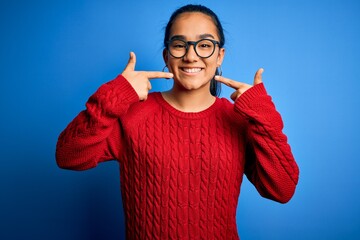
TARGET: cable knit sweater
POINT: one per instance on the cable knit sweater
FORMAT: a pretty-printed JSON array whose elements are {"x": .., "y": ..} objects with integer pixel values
[{"x": 181, "y": 172}]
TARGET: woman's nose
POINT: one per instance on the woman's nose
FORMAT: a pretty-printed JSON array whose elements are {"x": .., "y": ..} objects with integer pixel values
[{"x": 191, "y": 55}]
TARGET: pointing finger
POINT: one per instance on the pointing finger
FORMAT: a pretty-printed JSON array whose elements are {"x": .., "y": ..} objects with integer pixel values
[
  {"x": 258, "y": 77},
  {"x": 152, "y": 75},
  {"x": 231, "y": 83},
  {"x": 131, "y": 63}
]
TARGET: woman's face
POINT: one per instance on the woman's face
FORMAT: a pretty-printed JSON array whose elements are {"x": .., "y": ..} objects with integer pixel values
[{"x": 192, "y": 72}]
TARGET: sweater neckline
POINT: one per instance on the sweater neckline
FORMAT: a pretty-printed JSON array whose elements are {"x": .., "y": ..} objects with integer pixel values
[{"x": 190, "y": 115}]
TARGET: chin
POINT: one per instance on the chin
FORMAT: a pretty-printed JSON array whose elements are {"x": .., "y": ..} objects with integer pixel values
[
  {"x": 192, "y": 82},
  {"x": 193, "y": 85}
]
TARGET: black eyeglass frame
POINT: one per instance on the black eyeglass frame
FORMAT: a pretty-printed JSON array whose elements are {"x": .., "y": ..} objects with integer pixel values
[{"x": 194, "y": 43}]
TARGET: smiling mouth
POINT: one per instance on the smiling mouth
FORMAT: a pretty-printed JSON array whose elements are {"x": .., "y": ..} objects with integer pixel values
[{"x": 191, "y": 70}]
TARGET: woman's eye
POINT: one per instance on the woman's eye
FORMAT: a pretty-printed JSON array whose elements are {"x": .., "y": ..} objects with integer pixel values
[
  {"x": 205, "y": 46},
  {"x": 179, "y": 46}
]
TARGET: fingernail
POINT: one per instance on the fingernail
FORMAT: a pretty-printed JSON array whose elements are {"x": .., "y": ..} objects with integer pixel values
[{"x": 217, "y": 77}]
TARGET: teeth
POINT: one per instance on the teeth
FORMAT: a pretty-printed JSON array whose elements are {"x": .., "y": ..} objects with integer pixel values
[{"x": 192, "y": 70}]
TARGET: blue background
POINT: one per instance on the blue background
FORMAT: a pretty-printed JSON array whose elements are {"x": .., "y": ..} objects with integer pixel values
[{"x": 55, "y": 54}]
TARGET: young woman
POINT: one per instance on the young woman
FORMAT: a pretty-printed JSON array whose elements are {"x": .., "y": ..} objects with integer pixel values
[{"x": 183, "y": 153}]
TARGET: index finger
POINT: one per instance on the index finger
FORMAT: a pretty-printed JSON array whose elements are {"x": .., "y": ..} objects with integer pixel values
[
  {"x": 152, "y": 75},
  {"x": 228, "y": 82}
]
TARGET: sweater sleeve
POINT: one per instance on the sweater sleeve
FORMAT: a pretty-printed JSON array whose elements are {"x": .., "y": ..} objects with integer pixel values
[
  {"x": 270, "y": 164},
  {"x": 94, "y": 135}
]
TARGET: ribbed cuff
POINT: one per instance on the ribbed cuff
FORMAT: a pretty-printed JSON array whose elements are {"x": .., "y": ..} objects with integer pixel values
[
  {"x": 122, "y": 92},
  {"x": 114, "y": 97},
  {"x": 250, "y": 97}
]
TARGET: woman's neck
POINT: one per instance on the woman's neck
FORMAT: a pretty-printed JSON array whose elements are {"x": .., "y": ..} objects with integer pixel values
[{"x": 189, "y": 100}]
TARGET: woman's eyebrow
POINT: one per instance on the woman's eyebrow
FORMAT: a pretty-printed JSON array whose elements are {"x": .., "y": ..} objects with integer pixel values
[
  {"x": 182, "y": 37},
  {"x": 207, "y": 35},
  {"x": 201, "y": 36}
]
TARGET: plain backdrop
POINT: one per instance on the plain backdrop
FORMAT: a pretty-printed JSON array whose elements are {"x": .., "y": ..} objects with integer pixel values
[{"x": 55, "y": 54}]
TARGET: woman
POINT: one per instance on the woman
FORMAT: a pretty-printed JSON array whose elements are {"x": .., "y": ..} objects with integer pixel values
[{"x": 183, "y": 153}]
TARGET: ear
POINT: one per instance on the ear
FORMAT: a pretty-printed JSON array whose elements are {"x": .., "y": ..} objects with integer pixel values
[
  {"x": 220, "y": 57},
  {"x": 165, "y": 56}
]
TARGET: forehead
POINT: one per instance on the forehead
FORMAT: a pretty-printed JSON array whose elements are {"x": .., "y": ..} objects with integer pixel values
[{"x": 192, "y": 25}]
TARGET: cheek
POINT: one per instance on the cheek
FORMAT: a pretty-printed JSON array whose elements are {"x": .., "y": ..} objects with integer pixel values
[
  {"x": 171, "y": 66},
  {"x": 212, "y": 65},
  {"x": 174, "y": 64}
]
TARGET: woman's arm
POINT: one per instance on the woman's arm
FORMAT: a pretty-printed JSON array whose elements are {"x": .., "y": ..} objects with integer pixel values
[
  {"x": 270, "y": 164},
  {"x": 95, "y": 135}
]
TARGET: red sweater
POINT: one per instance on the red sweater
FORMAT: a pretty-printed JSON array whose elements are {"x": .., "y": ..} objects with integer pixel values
[{"x": 181, "y": 172}]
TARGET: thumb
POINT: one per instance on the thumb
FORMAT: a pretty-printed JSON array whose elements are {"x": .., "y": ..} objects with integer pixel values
[
  {"x": 131, "y": 63},
  {"x": 258, "y": 77}
]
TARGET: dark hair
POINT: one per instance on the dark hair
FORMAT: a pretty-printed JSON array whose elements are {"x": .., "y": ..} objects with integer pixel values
[{"x": 215, "y": 87}]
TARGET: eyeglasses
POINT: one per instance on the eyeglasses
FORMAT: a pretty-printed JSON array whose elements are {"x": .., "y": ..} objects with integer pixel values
[{"x": 204, "y": 48}]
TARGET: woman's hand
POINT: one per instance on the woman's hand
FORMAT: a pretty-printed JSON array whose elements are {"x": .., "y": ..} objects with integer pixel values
[
  {"x": 140, "y": 80},
  {"x": 239, "y": 86}
]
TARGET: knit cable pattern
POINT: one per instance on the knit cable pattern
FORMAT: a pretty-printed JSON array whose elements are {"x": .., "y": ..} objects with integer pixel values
[{"x": 181, "y": 172}]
